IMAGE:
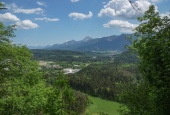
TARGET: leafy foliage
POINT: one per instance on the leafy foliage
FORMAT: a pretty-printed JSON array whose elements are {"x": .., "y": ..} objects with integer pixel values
[
  {"x": 153, "y": 47},
  {"x": 71, "y": 101},
  {"x": 23, "y": 90}
]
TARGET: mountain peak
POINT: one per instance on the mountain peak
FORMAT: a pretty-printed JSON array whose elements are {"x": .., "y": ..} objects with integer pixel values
[
  {"x": 86, "y": 39},
  {"x": 69, "y": 42}
]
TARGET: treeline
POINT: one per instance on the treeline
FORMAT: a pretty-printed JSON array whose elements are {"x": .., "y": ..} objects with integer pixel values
[
  {"x": 56, "y": 55},
  {"x": 66, "y": 55}
]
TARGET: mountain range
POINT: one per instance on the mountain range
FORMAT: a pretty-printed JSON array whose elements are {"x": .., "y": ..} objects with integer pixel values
[{"x": 114, "y": 42}]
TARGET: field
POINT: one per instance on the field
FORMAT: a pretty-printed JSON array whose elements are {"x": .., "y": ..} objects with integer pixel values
[{"x": 99, "y": 106}]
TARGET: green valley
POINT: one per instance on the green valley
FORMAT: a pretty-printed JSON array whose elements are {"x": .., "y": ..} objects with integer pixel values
[{"x": 91, "y": 76}]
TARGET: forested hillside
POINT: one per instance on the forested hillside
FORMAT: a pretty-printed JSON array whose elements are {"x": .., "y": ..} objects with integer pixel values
[
  {"x": 68, "y": 56},
  {"x": 103, "y": 80}
]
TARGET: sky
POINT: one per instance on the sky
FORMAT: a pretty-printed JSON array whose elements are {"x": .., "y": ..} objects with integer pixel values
[{"x": 47, "y": 22}]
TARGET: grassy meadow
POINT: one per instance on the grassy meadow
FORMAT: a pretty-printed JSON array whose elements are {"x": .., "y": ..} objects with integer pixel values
[{"x": 98, "y": 106}]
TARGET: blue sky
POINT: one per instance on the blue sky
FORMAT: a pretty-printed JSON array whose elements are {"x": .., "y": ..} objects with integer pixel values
[{"x": 47, "y": 22}]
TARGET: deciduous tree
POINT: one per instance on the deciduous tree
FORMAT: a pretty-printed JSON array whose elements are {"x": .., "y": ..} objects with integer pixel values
[{"x": 153, "y": 47}]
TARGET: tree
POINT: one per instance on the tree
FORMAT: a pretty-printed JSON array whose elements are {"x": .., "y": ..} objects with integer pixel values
[
  {"x": 153, "y": 47},
  {"x": 22, "y": 87},
  {"x": 61, "y": 97}
]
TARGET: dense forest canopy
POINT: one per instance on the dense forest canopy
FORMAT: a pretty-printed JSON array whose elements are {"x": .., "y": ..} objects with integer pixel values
[{"x": 102, "y": 80}]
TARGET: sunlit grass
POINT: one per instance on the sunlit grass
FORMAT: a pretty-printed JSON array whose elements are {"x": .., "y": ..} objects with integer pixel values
[{"x": 98, "y": 106}]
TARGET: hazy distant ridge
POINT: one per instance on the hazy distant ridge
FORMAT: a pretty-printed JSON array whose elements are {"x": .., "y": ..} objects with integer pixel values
[{"x": 114, "y": 42}]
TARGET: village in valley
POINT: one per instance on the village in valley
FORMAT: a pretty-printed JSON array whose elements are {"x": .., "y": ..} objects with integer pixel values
[{"x": 53, "y": 65}]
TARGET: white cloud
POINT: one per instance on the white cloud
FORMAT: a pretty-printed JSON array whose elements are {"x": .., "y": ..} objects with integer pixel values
[
  {"x": 123, "y": 9},
  {"x": 26, "y": 24},
  {"x": 8, "y": 17},
  {"x": 41, "y": 3},
  {"x": 47, "y": 19},
  {"x": 125, "y": 26},
  {"x": 165, "y": 14},
  {"x": 29, "y": 11},
  {"x": 76, "y": 15},
  {"x": 74, "y": 0},
  {"x": 16, "y": 9},
  {"x": 107, "y": 12}
]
